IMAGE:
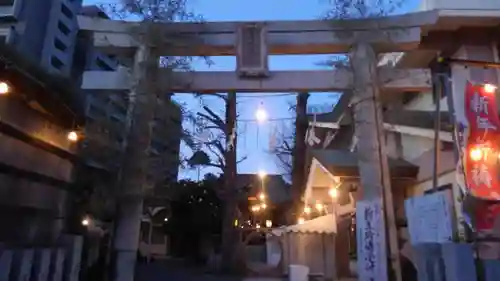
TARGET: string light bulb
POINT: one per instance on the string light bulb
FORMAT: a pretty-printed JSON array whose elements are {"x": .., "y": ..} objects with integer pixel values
[
  {"x": 307, "y": 209},
  {"x": 72, "y": 136},
  {"x": 301, "y": 220},
  {"x": 333, "y": 192},
  {"x": 261, "y": 114},
  {"x": 85, "y": 222},
  {"x": 489, "y": 88},
  {"x": 263, "y": 206},
  {"x": 475, "y": 154},
  {"x": 319, "y": 207},
  {"x": 4, "y": 88},
  {"x": 269, "y": 223},
  {"x": 262, "y": 196}
]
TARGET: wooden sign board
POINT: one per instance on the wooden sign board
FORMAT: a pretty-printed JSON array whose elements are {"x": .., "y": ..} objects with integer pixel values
[
  {"x": 372, "y": 249},
  {"x": 430, "y": 218}
]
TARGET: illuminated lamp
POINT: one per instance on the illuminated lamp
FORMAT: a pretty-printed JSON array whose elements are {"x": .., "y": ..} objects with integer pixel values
[
  {"x": 476, "y": 154},
  {"x": 489, "y": 88}
]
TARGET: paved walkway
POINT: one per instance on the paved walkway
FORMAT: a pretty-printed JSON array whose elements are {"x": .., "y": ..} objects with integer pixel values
[{"x": 172, "y": 271}]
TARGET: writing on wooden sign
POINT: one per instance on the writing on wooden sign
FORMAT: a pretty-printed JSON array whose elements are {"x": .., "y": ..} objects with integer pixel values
[{"x": 372, "y": 261}]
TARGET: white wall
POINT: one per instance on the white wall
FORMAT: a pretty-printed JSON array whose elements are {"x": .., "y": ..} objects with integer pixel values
[
  {"x": 424, "y": 102},
  {"x": 414, "y": 146}
]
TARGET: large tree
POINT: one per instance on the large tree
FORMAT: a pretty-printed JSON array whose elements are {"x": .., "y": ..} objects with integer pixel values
[
  {"x": 221, "y": 143},
  {"x": 291, "y": 154}
]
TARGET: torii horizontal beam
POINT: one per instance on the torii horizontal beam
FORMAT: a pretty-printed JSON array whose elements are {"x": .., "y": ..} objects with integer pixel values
[
  {"x": 394, "y": 80},
  {"x": 388, "y": 34}
]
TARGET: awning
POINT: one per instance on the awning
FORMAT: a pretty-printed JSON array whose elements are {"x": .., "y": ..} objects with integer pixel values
[
  {"x": 327, "y": 164},
  {"x": 344, "y": 163}
]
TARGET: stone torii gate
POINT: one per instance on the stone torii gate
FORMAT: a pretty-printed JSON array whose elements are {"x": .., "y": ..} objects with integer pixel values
[{"x": 363, "y": 39}]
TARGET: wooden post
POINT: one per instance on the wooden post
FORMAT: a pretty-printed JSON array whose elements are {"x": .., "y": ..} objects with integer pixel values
[
  {"x": 373, "y": 165},
  {"x": 135, "y": 164}
]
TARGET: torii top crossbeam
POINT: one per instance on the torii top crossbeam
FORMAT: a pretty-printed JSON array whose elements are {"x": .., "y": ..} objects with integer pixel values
[
  {"x": 387, "y": 34},
  {"x": 398, "y": 33},
  {"x": 422, "y": 31}
]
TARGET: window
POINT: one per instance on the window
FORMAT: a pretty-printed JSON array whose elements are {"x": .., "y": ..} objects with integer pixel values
[
  {"x": 102, "y": 65},
  {"x": 437, "y": 96},
  {"x": 66, "y": 11},
  {"x": 60, "y": 45},
  {"x": 63, "y": 28},
  {"x": 56, "y": 63},
  {"x": 7, "y": 2},
  {"x": 408, "y": 97},
  {"x": 447, "y": 146},
  {"x": 96, "y": 112},
  {"x": 115, "y": 119}
]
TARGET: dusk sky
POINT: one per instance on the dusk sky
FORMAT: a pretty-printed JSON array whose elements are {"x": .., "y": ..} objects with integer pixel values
[{"x": 254, "y": 139}]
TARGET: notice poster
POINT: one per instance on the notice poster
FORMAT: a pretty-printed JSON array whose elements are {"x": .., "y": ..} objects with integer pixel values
[
  {"x": 372, "y": 256},
  {"x": 430, "y": 218}
]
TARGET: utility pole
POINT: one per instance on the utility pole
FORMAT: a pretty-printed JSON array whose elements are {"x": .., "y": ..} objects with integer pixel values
[{"x": 373, "y": 166}]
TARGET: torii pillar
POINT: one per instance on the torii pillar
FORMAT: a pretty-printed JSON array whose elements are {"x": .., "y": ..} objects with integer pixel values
[{"x": 376, "y": 196}]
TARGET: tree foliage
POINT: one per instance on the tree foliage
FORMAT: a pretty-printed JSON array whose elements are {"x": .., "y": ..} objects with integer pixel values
[{"x": 196, "y": 206}]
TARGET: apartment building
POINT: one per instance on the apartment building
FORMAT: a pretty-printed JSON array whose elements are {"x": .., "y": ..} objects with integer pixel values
[{"x": 47, "y": 32}]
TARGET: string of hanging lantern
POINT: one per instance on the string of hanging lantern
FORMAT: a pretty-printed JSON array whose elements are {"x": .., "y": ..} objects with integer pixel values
[
  {"x": 6, "y": 88},
  {"x": 320, "y": 208}
]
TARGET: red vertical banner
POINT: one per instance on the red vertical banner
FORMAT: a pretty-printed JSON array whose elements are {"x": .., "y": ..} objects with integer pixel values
[{"x": 482, "y": 150}]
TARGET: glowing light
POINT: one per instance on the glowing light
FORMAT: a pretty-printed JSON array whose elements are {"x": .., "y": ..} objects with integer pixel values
[
  {"x": 255, "y": 208},
  {"x": 261, "y": 114},
  {"x": 262, "y": 174},
  {"x": 476, "y": 154},
  {"x": 307, "y": 209},
  {"x": 489, "y": 88},
  {"x": 263, "y": 206},
  {"x": 235, "y": 222},
  {"x": 333, "y": 192},
  {"x": 336, "y": 179},
  {"x": 72, "y": 136},
  {"x": 257, "y": 226},
  {"x": 301, "y": 220},
  {"x": 4, "y": 88},
  {"x": 262, "y": 196},
  {"x": 165, "y": 219},
  {"x": 319, "y": 207},
  {"x": 269, "y": 223},
  {"x": 85, "y": 222}
]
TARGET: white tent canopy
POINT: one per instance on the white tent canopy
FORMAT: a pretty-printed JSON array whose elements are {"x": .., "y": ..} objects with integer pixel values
[{"x": 324, "y": 224}]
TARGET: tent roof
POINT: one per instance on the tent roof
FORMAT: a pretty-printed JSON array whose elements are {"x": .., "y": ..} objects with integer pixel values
[{"x": 323, "y": 224}]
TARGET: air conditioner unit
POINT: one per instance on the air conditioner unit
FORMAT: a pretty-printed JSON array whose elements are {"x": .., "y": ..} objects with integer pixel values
[{"x": 252, "y": 51}]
